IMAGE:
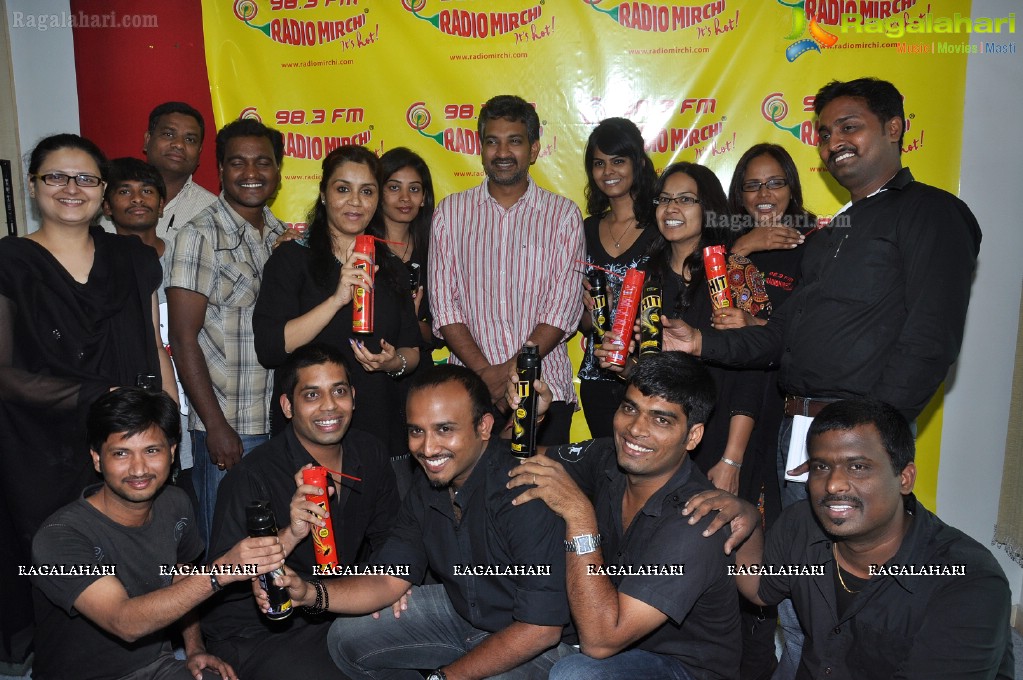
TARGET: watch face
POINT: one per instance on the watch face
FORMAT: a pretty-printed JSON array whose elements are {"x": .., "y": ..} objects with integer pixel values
[
  {"x": 436, "y": 675},
  {"x": 585, "y": 544}
]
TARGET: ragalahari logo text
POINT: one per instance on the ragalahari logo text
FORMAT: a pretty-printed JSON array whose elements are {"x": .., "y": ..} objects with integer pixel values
[
  {"x": 801, "y": 26},
  {"x": 473, "y": 23},
  {"x": 307, "y": 30},
  {"x": 659, "y": 18}
]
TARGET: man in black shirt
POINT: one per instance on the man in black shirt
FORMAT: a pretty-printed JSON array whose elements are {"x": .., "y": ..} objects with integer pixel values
[
  {"x": 884, "y": 588},
  {"x": 500, "y": 605},
  {"x": 650, "y": 596},
  {"x": 881, "y": 304},
  {"x": 115, "y": 569},
  {"x": 882, "y": 301},
  {"x": 318, "y": 399}
]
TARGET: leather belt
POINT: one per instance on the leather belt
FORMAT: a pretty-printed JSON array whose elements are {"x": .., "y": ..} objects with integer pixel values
[{"x": 805, "y": 406}]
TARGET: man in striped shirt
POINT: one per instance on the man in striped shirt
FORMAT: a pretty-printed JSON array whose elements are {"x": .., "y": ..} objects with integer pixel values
[{"x": 502, "y": 267}]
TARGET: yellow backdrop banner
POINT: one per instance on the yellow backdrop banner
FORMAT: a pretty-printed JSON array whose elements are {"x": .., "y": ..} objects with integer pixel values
[{"x": 702, "y": 80}]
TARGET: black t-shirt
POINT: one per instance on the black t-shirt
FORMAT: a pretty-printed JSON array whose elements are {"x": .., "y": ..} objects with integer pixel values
[
  {"x": 67, "y": 643},
  {"x": 492, "y": 534},
  {"x": 360, "y": 517},
  {"x": 923, "y": 627},
  {"x": 702, "y": 630}
]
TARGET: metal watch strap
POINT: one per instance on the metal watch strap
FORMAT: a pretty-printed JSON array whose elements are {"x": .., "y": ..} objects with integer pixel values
[{"x": 584, "y": 544}]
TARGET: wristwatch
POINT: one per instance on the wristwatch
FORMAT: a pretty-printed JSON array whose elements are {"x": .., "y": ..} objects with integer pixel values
[
  {"x": 437, "y": 675},
  {"x": 582, "y": 545}
]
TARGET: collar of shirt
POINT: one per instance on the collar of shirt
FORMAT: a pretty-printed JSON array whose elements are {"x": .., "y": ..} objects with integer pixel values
[
  {"x": 912, "y": 550},
  {"x": 666, "y": 494},
  {"x": 441, "y": 500},
  {"x": 529, "y": 197},
  {"x": 350, "y": 465},
  {"x": 185, "y": 188}
]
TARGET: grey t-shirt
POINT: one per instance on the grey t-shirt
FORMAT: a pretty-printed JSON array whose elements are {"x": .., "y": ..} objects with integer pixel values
[{"x": 78, "y": 537}]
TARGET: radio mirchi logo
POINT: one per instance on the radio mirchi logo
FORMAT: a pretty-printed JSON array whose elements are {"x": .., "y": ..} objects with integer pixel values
[
  {"x": 304, "y": 32},
  {"x": 650, "y": 17},
  {"x": 775, "y": 109},
  {"x": 466, "y": 23},
  {"x": 464, "y": 140}
]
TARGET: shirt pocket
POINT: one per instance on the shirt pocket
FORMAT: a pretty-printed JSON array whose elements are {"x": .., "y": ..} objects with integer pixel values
[
  {"x": 238, "y": 284},
  {"x": 864, "y": 272}
]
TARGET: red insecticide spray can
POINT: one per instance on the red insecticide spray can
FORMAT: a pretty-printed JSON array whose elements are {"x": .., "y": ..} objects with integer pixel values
[
  {"x": 323, "y": 537},
  {"x": 362, "y": 298},
  {"x": 625, "y": 313},
  {"x": 717, "y": 276}
]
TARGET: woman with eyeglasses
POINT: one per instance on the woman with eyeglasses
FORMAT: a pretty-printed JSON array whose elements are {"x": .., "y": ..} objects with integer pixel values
[
  {"x": 693, "y": 213},
  {"x": 77, "y": 319},
  {"x": 765, "y": 190},
  {"x": 619, "y": 192}
]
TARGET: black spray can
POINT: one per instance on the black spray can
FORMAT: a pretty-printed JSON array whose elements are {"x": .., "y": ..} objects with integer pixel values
[
  {"x": 260, "y": 520},
  {"x": 523, "y": 442},
  {"x": 601, "y": 312},
  {"x": 650, "y": 318}
]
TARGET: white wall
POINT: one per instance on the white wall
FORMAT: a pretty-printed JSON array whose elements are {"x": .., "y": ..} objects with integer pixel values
[
  {"x": 44, "y": 77},
  {"x": 977, "y": 403}
]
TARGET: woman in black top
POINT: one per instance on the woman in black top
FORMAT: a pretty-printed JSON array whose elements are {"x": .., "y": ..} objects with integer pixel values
[
  {"x": 77, "y": 319},
  {"x": 405, "y": 213},
  {"x": 692, "y": 213},
  {"x": 619, "y": 194},
  {"x": 307, "y": 290}
]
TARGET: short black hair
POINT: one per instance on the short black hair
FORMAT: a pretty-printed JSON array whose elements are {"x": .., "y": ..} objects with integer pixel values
[
  {"x": 130, "y": 411},
  {"x": 128, "y": 169},
  {"x": 66, "y": 140},
  {"x": 435, "y": 376},
  {"x": 249, "y": 127},
  {"x": 176, "y": 107},
  {"x": 513, "y": 108},
  {"x": 621, "y": 137},
  {"x": 894, "y": 430},
  {"x": 313, "y": 354},
  {"x": 679, "y": 378},
  {"x": 882, "y": 98}
]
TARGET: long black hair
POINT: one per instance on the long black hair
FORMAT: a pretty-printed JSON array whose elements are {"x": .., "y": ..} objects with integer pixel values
[
  {"x": 715, "y": 224},
  {"x": 419, "y": 229}
]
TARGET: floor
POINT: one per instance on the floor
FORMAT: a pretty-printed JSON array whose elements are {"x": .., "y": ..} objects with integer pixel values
[{"x": 1017, "y": 644}]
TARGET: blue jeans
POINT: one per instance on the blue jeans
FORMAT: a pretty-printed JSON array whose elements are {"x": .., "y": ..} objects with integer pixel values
[
  {"x": 430, "y": 634},
  {"x": 634, "y": 663},
  {"x": 792, "y": 632},
  {"x": 206, "y": 477}
]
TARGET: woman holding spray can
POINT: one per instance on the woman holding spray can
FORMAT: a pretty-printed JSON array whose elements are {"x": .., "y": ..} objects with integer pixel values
[
  {"x": 619, "y": 194},
  {"x": 320, "y": 289}
]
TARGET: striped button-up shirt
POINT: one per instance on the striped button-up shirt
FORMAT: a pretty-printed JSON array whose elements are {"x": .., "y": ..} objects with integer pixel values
[
  {"x": 221, "y": 256},
  {"x": 502, "y": 272}
]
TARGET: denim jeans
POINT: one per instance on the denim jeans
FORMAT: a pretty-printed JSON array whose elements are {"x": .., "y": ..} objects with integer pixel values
[
  {"x": 430, "y": 634},
  {"x": 206, "y": 477},
  {"x": 634, "y": 663},
  {"x": 792, "y": 632}
]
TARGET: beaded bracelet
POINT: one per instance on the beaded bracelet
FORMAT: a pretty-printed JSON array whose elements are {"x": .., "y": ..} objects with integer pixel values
[
  {"x": 404, "y": 364},
  {"x": 322, "y": 600}
]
